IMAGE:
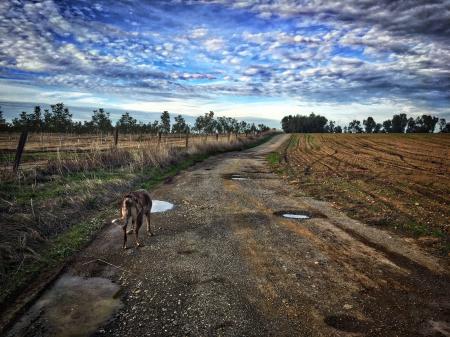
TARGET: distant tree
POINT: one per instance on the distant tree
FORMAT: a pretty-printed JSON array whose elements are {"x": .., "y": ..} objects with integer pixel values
[
  {"x": 205, "y": 124},
  {"x": 3, "y": 125},
  {"x": 61, "y": 118},
  {"x": 446, "y": 129},
  {"x": 242, "y": 127},
  {"x": 345, "y": 129},
  {"x": 37, "y": 122},
  {"x": 263, "y": 128},
  {"x": 378, "y": 128},
  {"x": 355, "y": 126},
  {"x": 23, "y": 122},
  {"x": 165, "y": 122},
  {"x": 369, "y": 124},
  {"x": 210, "y": 123},
  {"x": 387, "y": 125},
  {"x": 426, "y": 124},
  {"x": 411, "y": 125},
  {"x": 180, "y": 125},
  {"x": 399, "y": 123},
  {"x": 330, "y": 127},
  {"x": 299, "y": 123},
  {"x": 442, "y": 124},
  {"x": 126, "y": 123},
  {"x": 101, "y": 121},
  {"x": 338, "y": 129}
]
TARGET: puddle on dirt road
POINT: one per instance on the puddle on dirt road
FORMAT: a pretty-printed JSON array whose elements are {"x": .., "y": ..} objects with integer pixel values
[
  {"x": 161, "y": 206},
  {"x": 347, "y": 323},
  {"x": 234, "y": 176},
  {"x": 299, "y": 214},
  {"x": 238, "y": 178},
  {"x": 295, "y": 216},
  {"x": 74, "y": 306}
]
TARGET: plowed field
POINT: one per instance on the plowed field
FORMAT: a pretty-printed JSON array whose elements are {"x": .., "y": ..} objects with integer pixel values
[{"x": 400, "y": 181}]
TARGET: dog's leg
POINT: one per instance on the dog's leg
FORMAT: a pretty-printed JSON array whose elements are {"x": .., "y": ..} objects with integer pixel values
[
  {"x": 124, "y": 227},
  {"x": 149, "y": 229},
  {"x": 138, "y": 224}
]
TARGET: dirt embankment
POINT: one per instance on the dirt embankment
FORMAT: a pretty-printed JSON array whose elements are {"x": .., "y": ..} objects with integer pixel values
[{"x": 225, "y": 263}]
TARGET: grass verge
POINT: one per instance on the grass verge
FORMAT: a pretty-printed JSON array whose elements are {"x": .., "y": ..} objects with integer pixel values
[{"x": 59, "y": 248}]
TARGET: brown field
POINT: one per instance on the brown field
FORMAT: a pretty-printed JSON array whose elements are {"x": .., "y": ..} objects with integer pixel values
[{"x": 400, "y": 181}]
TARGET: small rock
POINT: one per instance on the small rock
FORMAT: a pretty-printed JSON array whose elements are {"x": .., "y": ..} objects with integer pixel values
[{"x": 348, "y": 306}]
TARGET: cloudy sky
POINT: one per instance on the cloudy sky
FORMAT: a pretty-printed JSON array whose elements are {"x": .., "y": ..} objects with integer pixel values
[{"x": 267, "y": 58}]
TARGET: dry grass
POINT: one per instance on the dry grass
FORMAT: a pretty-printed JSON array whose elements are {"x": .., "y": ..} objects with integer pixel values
[
  {"x": 400, "y": 181},
  {"x": 42, "y": 147},
  {"x": 41, "y": 203}
]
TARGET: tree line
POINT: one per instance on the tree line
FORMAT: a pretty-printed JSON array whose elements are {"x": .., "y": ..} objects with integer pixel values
[
  {"x": 59, "y": 119},
  {"x": 400, "y": 123}
]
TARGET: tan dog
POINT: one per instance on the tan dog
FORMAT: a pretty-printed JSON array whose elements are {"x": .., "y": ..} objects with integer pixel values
[{"x": 135, "y": 205}]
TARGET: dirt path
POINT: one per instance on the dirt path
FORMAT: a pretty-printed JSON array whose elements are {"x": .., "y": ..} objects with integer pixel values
[{"x": 223, "y": 264}]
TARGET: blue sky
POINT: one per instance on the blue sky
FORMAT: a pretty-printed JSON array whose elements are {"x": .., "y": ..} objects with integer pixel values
[{"x": 344, "y": 59}]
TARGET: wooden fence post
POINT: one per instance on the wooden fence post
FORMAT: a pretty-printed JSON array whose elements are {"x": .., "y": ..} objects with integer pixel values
[
  {"x": 187, "y": 139},
  {"x": 116, "y": 136},
  {"x": 217, "y": 136},
  {"x": 19, "y": 151},
  {"x": 159, "y": 138}
]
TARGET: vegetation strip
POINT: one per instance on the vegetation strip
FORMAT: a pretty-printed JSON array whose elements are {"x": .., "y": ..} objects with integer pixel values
[{"x": 62, "y": 247}]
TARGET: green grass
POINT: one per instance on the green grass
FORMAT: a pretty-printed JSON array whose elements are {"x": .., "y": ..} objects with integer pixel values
[
  {"x": 54, "y": 252},
  {"x": 59, "y": 249},
  {"x": 274, "y": 158}
]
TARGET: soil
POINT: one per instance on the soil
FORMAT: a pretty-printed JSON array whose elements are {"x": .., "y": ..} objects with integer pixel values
[{"x": 223, "y": 262}]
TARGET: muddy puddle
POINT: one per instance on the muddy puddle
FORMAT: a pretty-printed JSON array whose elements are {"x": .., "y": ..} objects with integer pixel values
[
  {"x": 74, "y": 306},
  {"x": 161, "y": 206}
]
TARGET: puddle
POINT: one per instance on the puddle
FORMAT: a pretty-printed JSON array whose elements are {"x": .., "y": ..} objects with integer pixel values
[
  {"x": 299, "y": 214},
  {"x": 295, "y": 216},
  {"x": 161, "y": 206},
  {"x": 347, "y": 323},
  {"x": 238, "y": 178},
  {"x": 234, "y": 176},
  {"x": 74, "y": 306}
]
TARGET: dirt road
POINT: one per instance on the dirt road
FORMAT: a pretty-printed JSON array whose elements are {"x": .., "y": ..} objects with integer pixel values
[{"x": 223, "y": 263}]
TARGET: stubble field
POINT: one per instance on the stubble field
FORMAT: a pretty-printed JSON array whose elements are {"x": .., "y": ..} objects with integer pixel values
[{"x": 398, "y": 181}]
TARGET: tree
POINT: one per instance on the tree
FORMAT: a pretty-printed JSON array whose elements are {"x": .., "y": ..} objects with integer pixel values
[
  {"x": 369, "y": 124},
  {"x": 180, "y": 125},
  {"x": 101, "y": 121},
  {"x": 387, "y": 125},
  {"x": 3, "y": 125},
  {"x": 442, "y": 124},
  {"x": 299, "y": 123},
  {"x": 37, "y": 123},
  {"x": 330, "y": 127},
  {"x": 338, "y": 129},
  {"x": 61, "y": 118},
  {"x": 165, "y": 122},
  {"x": 399, "y": 123},
  {"x": 411, "y": 126},
  {"x": 378, "y": 128},
  {"x": 126, "y": 123},
  {"x": 426, "y": 124},
  {"x": 355, "y": 126},
  {"x": 446, "y": 129},
  {"x": 205, "y": 123}
]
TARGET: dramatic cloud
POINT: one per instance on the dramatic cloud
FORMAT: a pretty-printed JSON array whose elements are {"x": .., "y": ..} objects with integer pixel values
[{"x": 383, "y": 54}]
